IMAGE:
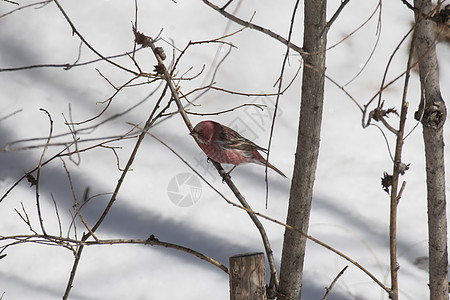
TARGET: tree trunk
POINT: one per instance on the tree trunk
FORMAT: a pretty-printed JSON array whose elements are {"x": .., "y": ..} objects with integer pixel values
[
  {"x": 247, "y": 277},
  {"x": 432, "y": 113},
  {"x": 307, "y": 152}
]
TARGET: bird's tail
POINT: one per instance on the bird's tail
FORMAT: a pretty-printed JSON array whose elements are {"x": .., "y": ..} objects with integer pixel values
[
  {"x": 262, "y": 161},
  {"x": 275, "y": 169}
]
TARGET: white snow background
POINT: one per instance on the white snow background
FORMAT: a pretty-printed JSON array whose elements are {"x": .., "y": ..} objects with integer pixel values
[{"x": 350, "y": 210}]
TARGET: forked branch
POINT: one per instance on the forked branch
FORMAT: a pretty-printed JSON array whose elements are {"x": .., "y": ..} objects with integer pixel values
[{"x": 157, "y": 51}]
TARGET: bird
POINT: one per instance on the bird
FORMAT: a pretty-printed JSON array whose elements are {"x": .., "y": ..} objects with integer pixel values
[{"x": 224, "y": 145}]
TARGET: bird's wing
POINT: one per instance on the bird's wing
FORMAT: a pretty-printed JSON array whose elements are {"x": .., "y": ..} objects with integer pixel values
[{"x": 229, "y": 138}]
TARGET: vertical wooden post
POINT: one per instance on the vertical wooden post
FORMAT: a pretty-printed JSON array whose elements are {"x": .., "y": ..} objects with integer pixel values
[{"x": 247, "y": 277}]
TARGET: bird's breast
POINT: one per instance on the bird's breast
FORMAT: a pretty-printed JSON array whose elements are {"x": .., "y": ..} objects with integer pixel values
[{"x": 223, "y": 155}]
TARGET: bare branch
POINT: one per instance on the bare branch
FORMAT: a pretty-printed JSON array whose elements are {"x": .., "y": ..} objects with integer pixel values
[
  {"x": 41, "y": 221},
  {"x": 86, "y": 130},
  {"x": 357, "y": 28},
  {"x": 260, "y": 106},
  {"x": 272, "y": 126},
  {"x": 162, "y": 69},
  {"x": 72, "y": 272},
  {"x": 25, "y": 218},
  {"x": 335, "y": 16},
  {"x": 409, "y": 5},
  {"x": 108, "y": 102},
  {"x": 25, "y": 6},
  {"x": 334, "y": 282},
  {"x": 10, "y": 115},
  {"x": 250, "y": 211},
  {"x": 61, "y": 154},
  {"x": 75, "y": 31},
  {"x": 390, "y": 61},
  {"x": 75, "y": 206},
  {"x": 57, "y": 215},
  {"x": 394, "y": 196},
  {"x": 72, "y": 130},
  {"x": 66, "y": 66},
  {"x": 151, "y": 241},
  {"x": 211, "y": 86},
  {"x": 12, "y": 2},
  {"x": 235, "y": 19}
]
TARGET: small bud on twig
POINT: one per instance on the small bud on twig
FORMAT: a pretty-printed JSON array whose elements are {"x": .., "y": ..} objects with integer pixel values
[
  {"x": 160, "y": 52},
  {"x": 31, "y": 179},
  {"x": 152, "y": 238},
  {"x": 386, "y": 181},
  {"x": 142, "y": 39},
  {"x": 402, "y": 167},
  {"x": 159, "y": 69}
]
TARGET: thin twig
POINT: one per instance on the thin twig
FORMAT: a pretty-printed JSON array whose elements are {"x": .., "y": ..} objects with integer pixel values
[
  {"x": 12, "y": 2},
  {"x": 357, "y": 28},
  {"x": 60, "y": 154},
  {"x": 334, "y": 282},
  {"x": 38, "y": 174},
  {"x": 334, "y": 17},
  {"x": 72, "y": 130},
  {"x": 108, "y": 102},
  {"x": 260, "y": 106},
  {"x": 57, "y": 214},
  {"x": 65, "y": 66},
  {"x": 399, "y": 196},
  {"x": 113, "y": 198},
  {"x": 25, "y": 6},
  {"x": 342, "y": 88},
  {"x": 213, "y": 87},
  {"x": 372, "y": 52},
  {"x": 25, "y": 218},
  {"x": 235, "y": 19},
  {"x": 72, "y": 272},
  {"x": 411, "y": 66},
  {"x": 10, "y": 115},
  {"x": 390, "y": 61},
  {"x": 408, "y": 5},
  {"x": 116, "y": 156},
  {"x": 151, "y": 241},
  {"x": 280, "y": 84},
  {"x": 225, "y": 176},
  {"x": 385, "y": 140},
  {"x": 388, "y": 126},
  {"x": 395, "y": 180},
  {"x": 86, "y": 130},
  {"x": 75, "y": 206},
  {"x": 250, "y": 211},
  {"x": 130, "y": 161},
  {"x": 75, "y": 31}
]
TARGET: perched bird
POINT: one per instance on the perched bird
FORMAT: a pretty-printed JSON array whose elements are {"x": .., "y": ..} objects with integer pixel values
[{"x": 224, "y": 145}]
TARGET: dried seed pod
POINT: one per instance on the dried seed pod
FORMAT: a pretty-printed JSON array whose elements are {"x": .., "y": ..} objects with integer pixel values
[{"x": 160, "y": 52}]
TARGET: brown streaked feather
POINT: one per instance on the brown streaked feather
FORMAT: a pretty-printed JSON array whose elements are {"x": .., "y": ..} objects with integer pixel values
[{"x": 229, "y": 138}]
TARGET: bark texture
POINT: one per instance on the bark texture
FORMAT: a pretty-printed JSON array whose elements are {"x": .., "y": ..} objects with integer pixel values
[
  {"x": 247, "y": 277},
  {"x": 307, "y": 151},
  {"x": 432, "y": 113}
]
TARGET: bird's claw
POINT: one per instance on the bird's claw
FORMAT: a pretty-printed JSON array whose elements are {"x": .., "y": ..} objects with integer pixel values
[{"x": 224, "y": 175}]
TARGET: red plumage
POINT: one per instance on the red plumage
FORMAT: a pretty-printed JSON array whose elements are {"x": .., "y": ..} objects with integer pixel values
[{"x": 224, "y": 145}]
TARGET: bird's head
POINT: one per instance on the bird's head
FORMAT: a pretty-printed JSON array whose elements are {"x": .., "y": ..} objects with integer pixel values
[{"x": 206, "y": 131}]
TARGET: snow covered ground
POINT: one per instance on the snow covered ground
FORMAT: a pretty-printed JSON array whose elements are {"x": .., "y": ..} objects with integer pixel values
[{"x": 350, "y": 209}]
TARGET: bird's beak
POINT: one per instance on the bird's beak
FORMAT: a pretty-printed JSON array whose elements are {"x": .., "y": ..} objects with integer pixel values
[{"x": 193, "y": 133}]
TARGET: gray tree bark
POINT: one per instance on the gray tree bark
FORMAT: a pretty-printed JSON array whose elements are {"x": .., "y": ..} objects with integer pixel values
[
  {"x": 432, "y": 113},
  {"x": 308, "y": 141}
]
